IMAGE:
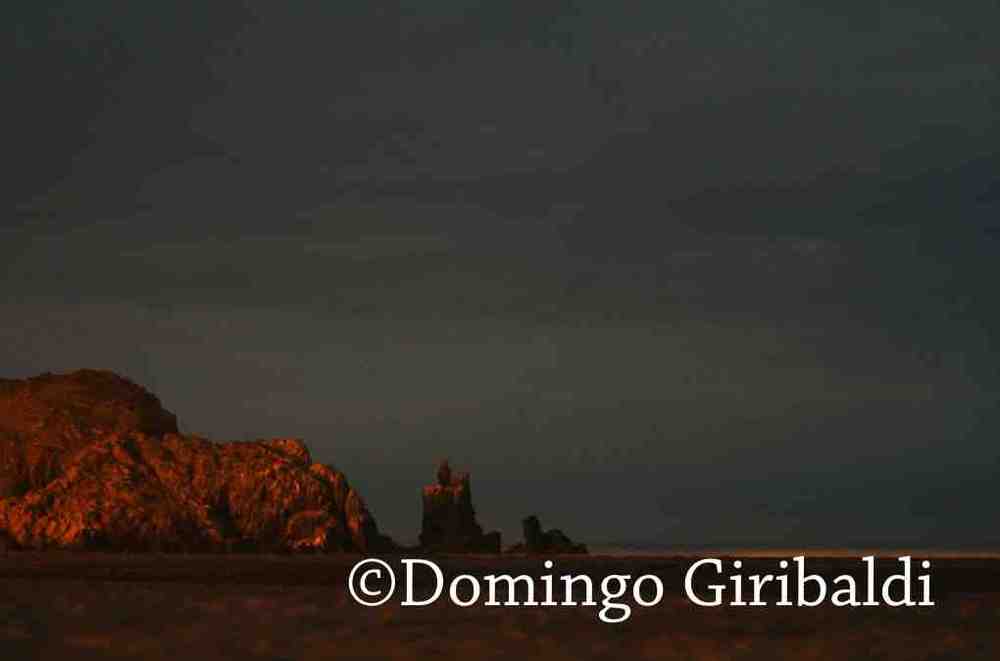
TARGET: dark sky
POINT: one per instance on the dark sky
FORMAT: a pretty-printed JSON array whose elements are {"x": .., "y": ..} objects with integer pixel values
[{"x": 695, "y": 272}]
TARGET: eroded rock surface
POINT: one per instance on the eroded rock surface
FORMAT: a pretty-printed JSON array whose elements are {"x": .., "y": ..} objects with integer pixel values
[
  {"x": 45, "y": 419},
  {"x": 119, "y": 476},
  {"x": 449, "y": 520}
]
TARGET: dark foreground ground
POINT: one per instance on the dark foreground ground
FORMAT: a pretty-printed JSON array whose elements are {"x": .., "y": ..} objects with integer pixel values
[{"x": 188, "y": 608}]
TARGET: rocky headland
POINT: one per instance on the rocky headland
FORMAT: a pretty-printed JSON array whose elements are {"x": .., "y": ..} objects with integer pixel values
[{"x": 89, "y": 460}]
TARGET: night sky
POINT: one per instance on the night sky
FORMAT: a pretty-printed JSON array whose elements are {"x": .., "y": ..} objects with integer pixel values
[{"x": 691, "y": 272}]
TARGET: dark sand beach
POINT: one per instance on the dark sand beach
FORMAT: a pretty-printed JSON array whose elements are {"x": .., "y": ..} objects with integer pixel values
[{"x": 151, "y": 606}]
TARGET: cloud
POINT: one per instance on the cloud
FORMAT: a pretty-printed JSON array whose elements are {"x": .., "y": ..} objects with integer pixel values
[{"x": 376, "y": 247}]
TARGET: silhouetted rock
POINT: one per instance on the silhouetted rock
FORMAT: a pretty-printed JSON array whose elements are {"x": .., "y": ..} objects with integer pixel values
[
  {"x": 537, "y": 540},
  {"x": 449, "y": 521},
  {"x": 122, "y": 478}
]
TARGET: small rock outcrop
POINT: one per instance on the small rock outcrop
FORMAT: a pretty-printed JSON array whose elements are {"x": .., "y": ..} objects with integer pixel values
[
  {"x": 449, "y": 520},
  {"x": 552, "y": 541},
  {"x": 92, "y": 461}
]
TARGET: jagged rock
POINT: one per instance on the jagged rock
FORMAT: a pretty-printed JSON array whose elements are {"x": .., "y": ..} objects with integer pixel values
[
  {"x": 136, "y": 484},
  {"x": 537, "y": 540},
  {"x": 45, "y": 419},
  {"x": 449, "y": 521}
]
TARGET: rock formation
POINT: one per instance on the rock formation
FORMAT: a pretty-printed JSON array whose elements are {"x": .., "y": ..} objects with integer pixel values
[
  {"x": 44, "y": 420},
  {"x": 90, "y": 460},
  {"x": 537, "y": 540},
  {"x": 449, "y": 521}
]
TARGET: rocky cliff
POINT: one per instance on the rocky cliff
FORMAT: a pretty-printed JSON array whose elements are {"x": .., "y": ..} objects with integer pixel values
[
  {"x": 45, "y": 419},
  {"x": 90, "y": 460}
]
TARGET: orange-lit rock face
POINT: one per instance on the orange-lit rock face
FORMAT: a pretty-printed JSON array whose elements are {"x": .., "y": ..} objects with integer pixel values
[
  {"x": 45, "y": 419},
  {"x": 134, "y": 483}
]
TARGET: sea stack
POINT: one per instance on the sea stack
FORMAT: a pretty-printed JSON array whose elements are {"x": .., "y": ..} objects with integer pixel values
[{"x": 449, "y": 520}]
